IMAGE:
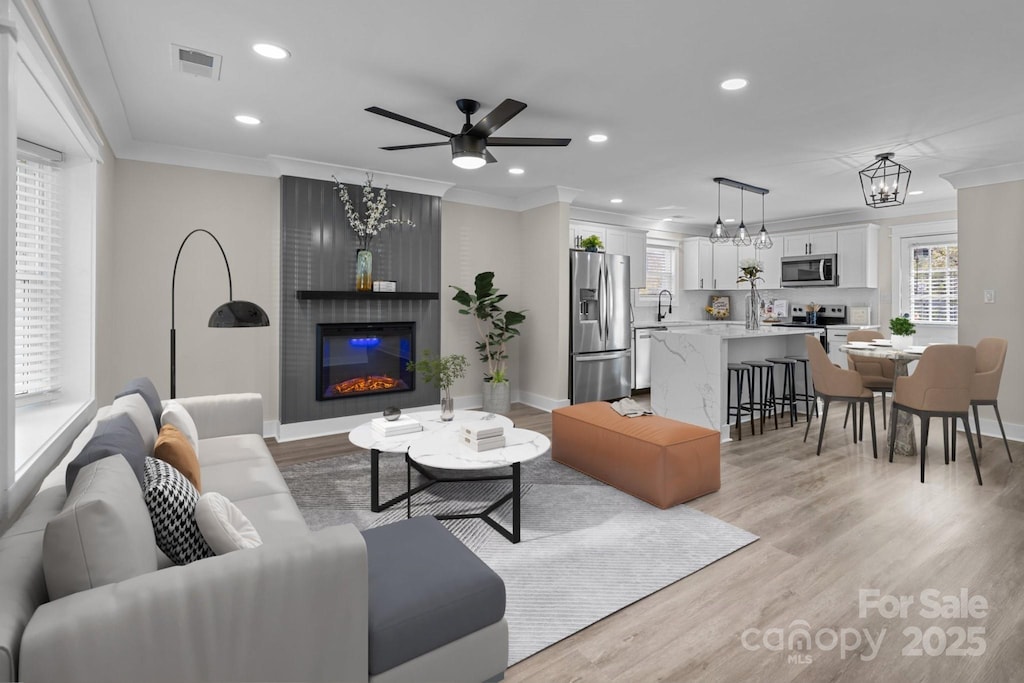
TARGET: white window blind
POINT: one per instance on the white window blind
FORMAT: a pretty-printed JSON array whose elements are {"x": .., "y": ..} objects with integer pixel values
[
  {"x": 37, "y": 290},
  {"x": 934, "y": 285},
  {"x": 661, "y": 270}
]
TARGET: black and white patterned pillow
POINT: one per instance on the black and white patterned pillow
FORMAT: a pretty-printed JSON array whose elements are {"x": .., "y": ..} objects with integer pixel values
[{"x": 171, "y": 499}]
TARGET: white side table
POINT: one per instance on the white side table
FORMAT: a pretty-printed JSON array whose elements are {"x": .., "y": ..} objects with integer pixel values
[{"x": 364, "y": 436}]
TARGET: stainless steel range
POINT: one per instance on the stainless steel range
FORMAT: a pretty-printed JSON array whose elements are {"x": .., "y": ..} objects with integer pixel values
[{"x": 828, "y": 314}]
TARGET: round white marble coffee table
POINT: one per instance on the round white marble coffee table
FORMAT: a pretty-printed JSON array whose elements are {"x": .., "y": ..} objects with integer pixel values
[
  {"x": 444, "y": 450},
  {"x": 364, "y": 436}
]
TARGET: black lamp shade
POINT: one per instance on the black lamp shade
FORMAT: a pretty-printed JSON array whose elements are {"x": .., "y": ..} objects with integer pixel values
[{"x": 239, "y": 314}]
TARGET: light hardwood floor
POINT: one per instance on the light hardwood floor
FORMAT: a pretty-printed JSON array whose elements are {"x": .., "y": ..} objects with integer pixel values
[{"x": 830, "y": 527}]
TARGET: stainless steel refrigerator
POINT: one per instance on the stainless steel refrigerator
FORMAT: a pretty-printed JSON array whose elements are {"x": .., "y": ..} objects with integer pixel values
[{"x": 599, "y": 342}]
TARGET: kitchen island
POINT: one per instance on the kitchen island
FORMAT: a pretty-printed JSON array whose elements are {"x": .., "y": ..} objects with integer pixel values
[{"x": 689, "y": 367}]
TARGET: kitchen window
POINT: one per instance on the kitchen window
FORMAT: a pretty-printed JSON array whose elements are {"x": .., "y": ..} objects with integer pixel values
[
  {"x": 933, "y": 283},
  {"x": 662, "y": 268}
]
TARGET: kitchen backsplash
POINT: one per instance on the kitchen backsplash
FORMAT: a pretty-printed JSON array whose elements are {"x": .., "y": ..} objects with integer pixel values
[{"x": 689, "y": 305}]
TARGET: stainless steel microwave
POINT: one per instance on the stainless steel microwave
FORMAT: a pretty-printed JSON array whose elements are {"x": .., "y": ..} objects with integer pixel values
[{"x": 816, "y": 270}]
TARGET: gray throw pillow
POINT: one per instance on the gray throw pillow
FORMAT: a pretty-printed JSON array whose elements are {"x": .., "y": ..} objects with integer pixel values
[
  {"x": 144, "y": 387},
  {"x": 102, "y": 535},
  {"x": 117, "y": 435}
]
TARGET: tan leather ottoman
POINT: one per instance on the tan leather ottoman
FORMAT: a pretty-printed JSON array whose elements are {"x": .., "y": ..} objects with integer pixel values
[{"x": 660, "y": 461}]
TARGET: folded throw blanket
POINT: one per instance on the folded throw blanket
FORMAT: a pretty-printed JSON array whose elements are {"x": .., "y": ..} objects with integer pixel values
[{"x": 627, "y": 407}]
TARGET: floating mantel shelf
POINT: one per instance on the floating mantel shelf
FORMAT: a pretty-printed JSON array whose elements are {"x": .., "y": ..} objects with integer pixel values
[{"x": 322, "y": 294}]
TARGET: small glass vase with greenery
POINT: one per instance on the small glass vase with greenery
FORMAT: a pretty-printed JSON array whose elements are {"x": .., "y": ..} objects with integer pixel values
[
  {"x": 591, "y": 243},
  {"x": 441, "y": 371}
]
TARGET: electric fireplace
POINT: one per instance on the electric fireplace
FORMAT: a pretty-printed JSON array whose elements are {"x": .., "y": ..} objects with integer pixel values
[{"x": 359, "y": 359}]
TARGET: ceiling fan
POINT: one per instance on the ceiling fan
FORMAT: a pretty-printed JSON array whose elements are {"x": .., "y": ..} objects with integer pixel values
[{"x": 469, "y": 146}]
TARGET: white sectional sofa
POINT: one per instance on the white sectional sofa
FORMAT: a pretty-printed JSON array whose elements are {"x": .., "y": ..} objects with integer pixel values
[{"x": 404, "y": 602}]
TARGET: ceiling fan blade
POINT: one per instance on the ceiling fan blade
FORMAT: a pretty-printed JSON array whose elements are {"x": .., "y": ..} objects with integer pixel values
[
  {"x": 424, "y": 144},
  {"x": 529, "y": 142},
  {"x": 490, "y": 157},
  {"x": 498, "y": 117},
  {"x": 405, "y": 119}
]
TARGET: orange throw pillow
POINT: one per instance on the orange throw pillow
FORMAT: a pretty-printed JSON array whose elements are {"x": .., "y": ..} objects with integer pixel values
[{"x": 173, "y": 448}]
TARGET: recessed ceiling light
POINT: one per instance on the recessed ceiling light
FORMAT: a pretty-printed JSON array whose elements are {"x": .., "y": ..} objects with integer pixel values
[
  {"x": 248, "y": 120},
  {"x": 616, "y": 201},
  {"x": 734, "y": 84},
  {"x": 516, "y": 171},
  {"x": 915, "y": 192},
  {"x": 270, "y": 51},
  {"x": 598, "y": 137},
  {"x": 729, "y": 220}
]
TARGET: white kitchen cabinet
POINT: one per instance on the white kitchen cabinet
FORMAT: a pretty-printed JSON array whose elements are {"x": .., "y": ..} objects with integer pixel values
[
  {"x": 615, "y": 242},
  {"x": 770, "y": 259},
  {"x": 806, "y": 243},
  {"x": 858, "y": 256},
  {"x": 725, "y": 271},
  {"x": 698, "y": 264},
  {"x": 579, "y": 232},
  {"x": 636, "y": 249},
  {"x": 632, "y": 243}
]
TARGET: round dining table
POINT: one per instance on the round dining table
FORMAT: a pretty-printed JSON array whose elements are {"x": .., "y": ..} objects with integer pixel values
[{"x": 905, "y": 441}]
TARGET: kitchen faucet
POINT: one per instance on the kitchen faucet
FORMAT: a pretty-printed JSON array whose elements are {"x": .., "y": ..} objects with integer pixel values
[{"x": 662, "y": 316}]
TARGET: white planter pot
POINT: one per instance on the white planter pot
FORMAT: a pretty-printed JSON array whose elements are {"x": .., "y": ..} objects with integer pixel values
[
  {"x": 497, "y": 397},
  {"x": 902, "y": 342}
]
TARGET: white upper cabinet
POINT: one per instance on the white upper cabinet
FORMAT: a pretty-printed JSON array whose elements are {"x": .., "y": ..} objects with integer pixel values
[
  {"x": 771, "y": 260},
  {"x": 806, "y": 243},
  {"x": 725, "y": 270},
  {"x": 698, "y": 264},
  {"x": 858, "y": 256},
  {"x": 632, "y": 243}
]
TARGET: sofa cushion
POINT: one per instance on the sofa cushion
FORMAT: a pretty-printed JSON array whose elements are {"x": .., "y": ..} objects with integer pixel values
[
  {"x": 175, "y": 414},
  {"x": 224, "y": 526},
  {"x": 103, "y": 535},
  {"x": 138, "y": 411},
  {"x": 174, "y": 449},
  {"x": 275, "y": 516},
  {"x": 171, "y": 500},
  {"x": 144, "y": 387},
  {"x": 240, "y": 467},
  {"x": 426, "y": 590},
  {"x": 116, "y": 435}
]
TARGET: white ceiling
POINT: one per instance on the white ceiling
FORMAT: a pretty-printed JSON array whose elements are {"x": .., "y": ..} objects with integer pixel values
[{"x": 831, "y": 84}]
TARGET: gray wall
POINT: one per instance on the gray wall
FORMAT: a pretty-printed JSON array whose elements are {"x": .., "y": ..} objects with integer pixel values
[{"x": 318, "y": 252}]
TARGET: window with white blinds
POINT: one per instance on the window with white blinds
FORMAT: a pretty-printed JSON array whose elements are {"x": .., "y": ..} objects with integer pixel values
[
  {"x": 934, "y": 285},
  {"x": 37, "y": 289},
  {"x": 661, "y": 270}
]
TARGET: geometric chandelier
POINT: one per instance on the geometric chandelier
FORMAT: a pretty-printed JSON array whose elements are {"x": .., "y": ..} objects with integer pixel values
[
  {"x": 885, "y": 182},
  {"x": 719, "y": 235}
]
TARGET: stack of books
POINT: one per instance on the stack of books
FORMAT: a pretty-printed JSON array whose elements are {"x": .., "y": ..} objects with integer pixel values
[
  {"x": 482, "y": 435},
  {"x": 388, "y": 428}
]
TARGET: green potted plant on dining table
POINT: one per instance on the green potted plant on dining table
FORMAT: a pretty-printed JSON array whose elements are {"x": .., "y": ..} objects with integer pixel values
[
  {"x": 496, "y": 327},
  {"x": 902, "y": 331}
]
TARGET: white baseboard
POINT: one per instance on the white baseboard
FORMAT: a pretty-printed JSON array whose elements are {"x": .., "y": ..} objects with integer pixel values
[
  {"x": 1014, "y": 432},
  {"x": 341, "y": 425}
]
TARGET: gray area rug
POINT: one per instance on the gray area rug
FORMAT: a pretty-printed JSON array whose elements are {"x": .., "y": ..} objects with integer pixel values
[{"x": 587, "y": 550}]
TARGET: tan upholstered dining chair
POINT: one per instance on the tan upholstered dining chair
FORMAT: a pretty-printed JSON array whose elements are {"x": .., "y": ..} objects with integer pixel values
[
  {"x": 988, "y": 370},
  {"x": 832, "y": 383},
  {"x": 878, "y": 374},
  {"x": 939, "y": 387}
]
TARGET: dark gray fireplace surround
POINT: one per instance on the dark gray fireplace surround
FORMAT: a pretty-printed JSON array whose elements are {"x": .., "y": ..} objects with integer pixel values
[{"x": 318, "y": 254}]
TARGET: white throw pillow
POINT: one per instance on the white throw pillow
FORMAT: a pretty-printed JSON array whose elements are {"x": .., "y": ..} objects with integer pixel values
[
  {"x": 175, "y": 414},
  {"x": 138, "y": 411},
  {"x": 224, "y": 526},
  {"x": 103, "y": 535}
]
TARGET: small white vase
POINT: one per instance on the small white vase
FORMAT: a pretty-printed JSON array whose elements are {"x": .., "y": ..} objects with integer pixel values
[{"x": 902, "y": 342}]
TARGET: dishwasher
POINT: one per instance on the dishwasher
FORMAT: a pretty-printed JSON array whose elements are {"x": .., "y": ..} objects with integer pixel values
[{"x": 642, "y": 356}]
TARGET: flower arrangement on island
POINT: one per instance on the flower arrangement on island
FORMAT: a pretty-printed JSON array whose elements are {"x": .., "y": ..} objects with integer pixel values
[
  {"x": 750, "y": 269},
  {"x": 377, "y": 209}
]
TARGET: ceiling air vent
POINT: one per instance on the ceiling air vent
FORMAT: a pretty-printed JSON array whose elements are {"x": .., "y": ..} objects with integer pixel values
[{"x": 188, "y": 60}]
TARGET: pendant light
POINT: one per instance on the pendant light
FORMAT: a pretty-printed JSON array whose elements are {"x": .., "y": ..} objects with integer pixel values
[
  {"x": 885, "y": 182},
  {"x": 742, "y": 238},
  {"x": 763, "y": 239},
  {"x": 718, "y": 234}
]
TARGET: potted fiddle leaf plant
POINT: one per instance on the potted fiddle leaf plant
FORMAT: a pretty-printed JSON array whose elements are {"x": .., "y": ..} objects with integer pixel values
[
  {"x": 441, "y": 371},
  {"x": 902, "y": 331},
  {"x": 496, "y": 327}
]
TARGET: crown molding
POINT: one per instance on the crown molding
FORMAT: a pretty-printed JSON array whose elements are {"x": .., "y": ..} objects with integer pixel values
[
  {"x": 624, "y": 220},
  {"x": 318, "y": 170},
  {"x": 491, "y": 201},
  {"x": 548, "y": 195},
  {"x": 993, "y": 175}
]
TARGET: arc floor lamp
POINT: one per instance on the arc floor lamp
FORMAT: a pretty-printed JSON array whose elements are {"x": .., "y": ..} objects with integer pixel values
[{"x": 230, "y": 314}]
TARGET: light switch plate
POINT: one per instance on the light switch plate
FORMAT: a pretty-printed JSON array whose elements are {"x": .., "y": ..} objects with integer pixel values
[{"x": 990, "y": 296}]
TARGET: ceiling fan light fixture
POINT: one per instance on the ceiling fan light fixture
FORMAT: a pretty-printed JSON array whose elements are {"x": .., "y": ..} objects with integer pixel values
[{"x": 468, "y": 152}]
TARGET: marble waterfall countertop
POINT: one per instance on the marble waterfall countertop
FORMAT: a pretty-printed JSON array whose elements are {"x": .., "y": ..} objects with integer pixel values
[
  {"x": 647, "y": 324},
  {"x": 737, "y": 331}
]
